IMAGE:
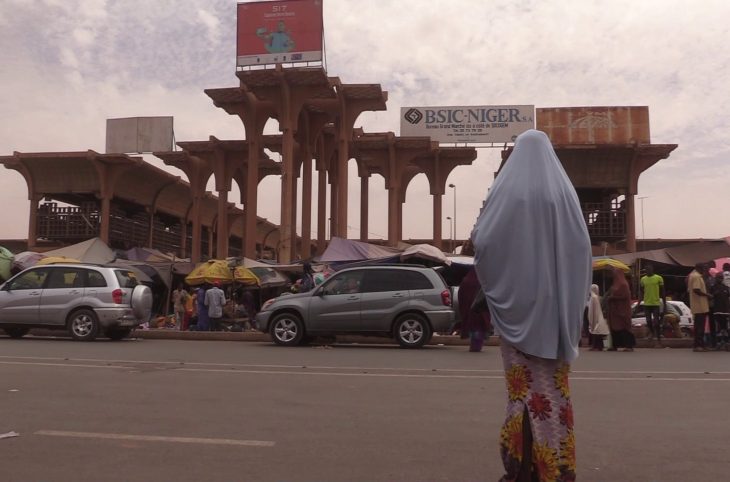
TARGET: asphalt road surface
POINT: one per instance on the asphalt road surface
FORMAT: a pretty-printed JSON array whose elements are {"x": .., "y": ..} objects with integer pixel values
[{"x": 159, "y": 410}]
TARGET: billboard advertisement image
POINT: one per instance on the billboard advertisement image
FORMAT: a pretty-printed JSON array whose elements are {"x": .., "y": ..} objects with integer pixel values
[
  {"x": 468, "y": 124},
  {"x": 275, "y": 32}
]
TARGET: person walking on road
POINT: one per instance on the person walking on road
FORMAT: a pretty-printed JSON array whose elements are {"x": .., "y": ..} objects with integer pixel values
[
  {"x": 475, "y": 322},
  {"x": 721, "y": 297},
  {"x": 203, "y": 323},
  {"x": 215, "y": 300},
  {"x": 619, "y": 313},
  {"x": 179, "y": 299},
  {"x": 533, "y": 261},
  {"x": 597, "y": 326},
  {"x": 699, "y": 303},
  {"x": 652, "y": 287}
]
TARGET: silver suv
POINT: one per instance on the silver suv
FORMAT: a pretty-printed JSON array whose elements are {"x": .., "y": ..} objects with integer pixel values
[
  {"x": 86, "y": 300},
  {"x": 405, "y": 302}
]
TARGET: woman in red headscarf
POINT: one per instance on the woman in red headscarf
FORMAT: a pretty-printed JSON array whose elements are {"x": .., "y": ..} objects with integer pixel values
[{"x": 619, "y": 313}]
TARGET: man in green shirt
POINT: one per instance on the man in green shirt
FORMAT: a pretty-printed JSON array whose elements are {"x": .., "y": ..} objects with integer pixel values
[{"x": 652, "y": 286}]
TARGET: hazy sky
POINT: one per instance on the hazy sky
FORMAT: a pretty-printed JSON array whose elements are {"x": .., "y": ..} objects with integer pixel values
[{"x": 68, "y": 65}]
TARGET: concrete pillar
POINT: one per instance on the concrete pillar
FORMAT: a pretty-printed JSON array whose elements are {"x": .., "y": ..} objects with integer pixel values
[
  {"x": 334, "y": 208},
  {"x": 294, "y": 204},
  {"x": 630, "y": 224},
  {"x": 183, "y": 238},
  {"x": 197, "y": 234},
  {"x": 399, "y": 215},
  {"x": 106, "y": 211},
  {"x": 307, "y": 207},
  {"x": 287, "y": 190},
  {"x": 35, "y": 199},
  {"x": 321, "y": 211},
  {"x": 438, "y": 221},
  {"x": 222, "y": 226},
  {"x": 393, "y": 216},
  {"x": 364, "y": 207},
  {"x": 342, "y": 161},
  {"x": 151, "y": 231},
  {"x": 252, "y": 186}
]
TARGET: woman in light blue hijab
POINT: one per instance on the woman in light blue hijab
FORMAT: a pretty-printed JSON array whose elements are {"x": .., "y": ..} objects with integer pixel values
[{"x": 533, "y": 260}]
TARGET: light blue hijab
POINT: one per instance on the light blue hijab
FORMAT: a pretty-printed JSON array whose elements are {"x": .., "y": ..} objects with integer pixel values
[{"x": 533, "y": 253}]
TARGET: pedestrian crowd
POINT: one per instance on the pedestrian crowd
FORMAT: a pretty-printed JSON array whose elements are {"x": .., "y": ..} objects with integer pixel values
[
  {"x": 207, "y": 307},
  {"x": 608, "y": 320}
]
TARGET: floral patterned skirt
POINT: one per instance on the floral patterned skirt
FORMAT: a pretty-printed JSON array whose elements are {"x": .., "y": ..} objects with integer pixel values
[{"x": 537, "y": 388}]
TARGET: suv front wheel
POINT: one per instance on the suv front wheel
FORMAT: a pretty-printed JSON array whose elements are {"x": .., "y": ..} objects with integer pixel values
[
  {"x": 412, "y": 330},
  {"x": 287, "y": 329},
  {"x": 83, "y": 325}
]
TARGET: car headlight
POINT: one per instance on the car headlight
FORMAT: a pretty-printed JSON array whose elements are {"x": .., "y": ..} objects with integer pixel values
[{"x": 268, "y": 304}]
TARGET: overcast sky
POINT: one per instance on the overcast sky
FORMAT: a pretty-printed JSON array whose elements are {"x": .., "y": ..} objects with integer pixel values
[{"x": 68, "y": 65}]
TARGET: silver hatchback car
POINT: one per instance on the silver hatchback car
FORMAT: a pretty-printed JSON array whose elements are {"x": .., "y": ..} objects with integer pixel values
[
  {"x": 86, "y": 300},
  {"x": 406, "y": 302}
]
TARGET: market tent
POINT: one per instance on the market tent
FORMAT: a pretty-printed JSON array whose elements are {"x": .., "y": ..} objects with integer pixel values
[
  {"x": 209, "y": 272},
  {"x": 147, "y": 255},
  {"x": 269, "y": 277},
  {"x": 57, "y": 259},
  {"x": 92, "y": 250},
  {"x": 425, "y": 251},
  {"x": 245, "y": 276},
  {"x": 289, "y": 268},
  {"x": 6, "y": 262},
  {"x": 686, "y": 255},
  {"x": 461, "y": 259},
  {"x": 349, "y": 250},
  {"x": 704, "y": 251},
  {"x": 144, "y": 272},
  {"x": 657, "y": 255},
  {"x": 25, "y": 260},
  {"x": 604, "y": 262},
  {"x": 720, "y": 262},
  {"x": 252, "y": 263}
]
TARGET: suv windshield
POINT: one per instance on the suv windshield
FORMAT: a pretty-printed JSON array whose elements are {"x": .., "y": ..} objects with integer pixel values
[{"x": 127, "y": 279}]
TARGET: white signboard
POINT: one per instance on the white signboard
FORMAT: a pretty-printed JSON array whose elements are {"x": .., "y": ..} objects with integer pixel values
[
  {"x": 139, "y": 134},
  {"x": 474, "y": 124}
]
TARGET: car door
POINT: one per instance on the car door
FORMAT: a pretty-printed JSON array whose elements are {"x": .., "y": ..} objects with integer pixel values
[
  {"x": 20, "y": 297},
  {"x": 335, "y": 305},
  {"x": 62, "y": 292},
  {"x": 385, "y": 294}
]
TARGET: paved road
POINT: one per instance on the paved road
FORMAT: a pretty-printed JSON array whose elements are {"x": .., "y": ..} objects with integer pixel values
[{"x": 143, "y": 410}]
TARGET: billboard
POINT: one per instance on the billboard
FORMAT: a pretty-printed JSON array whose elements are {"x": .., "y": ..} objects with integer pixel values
[
  {"x": 275, "y": 32},
  {"x": 480, "y": 124},
  {"x": 139, "y": 134},
  {"x": 595, "y": 125}
]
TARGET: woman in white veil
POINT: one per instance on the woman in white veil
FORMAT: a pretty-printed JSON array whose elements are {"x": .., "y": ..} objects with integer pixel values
[{"x": 533, "y": 260}]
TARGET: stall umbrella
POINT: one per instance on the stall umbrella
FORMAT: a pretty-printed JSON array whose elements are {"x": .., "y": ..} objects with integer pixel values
[{"x": 209, "y": 272}]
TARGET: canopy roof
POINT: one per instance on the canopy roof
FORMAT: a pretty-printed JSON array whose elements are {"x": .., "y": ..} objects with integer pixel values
[
  {"x": 340, "y": 249},
  {"x": 92, "y": 250},
  {"x": 425, "y": 251},
  {"x": 73, "y": 178},
  {"x": 686, "y": 255}
]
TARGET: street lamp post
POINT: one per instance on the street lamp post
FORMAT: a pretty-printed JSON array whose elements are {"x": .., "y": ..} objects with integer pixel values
[
  {"x": 453, "y": 239},
  {"x": 451, "y": 231}
]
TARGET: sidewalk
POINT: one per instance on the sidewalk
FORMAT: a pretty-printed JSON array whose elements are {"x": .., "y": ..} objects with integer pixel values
[
  {"x": 447, "y": 340},
  {"x": 255, "y": 336}
]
